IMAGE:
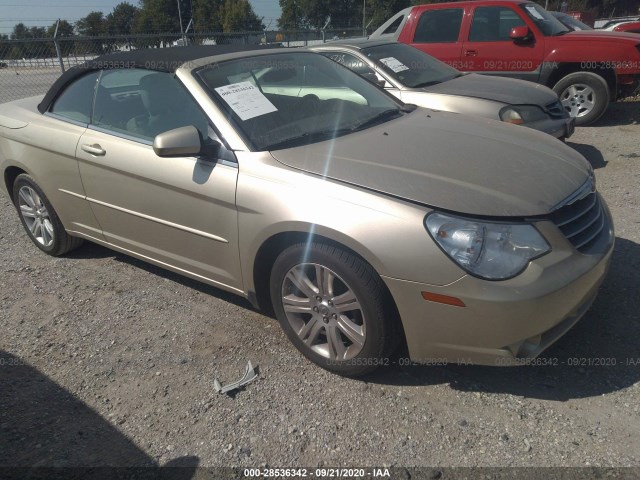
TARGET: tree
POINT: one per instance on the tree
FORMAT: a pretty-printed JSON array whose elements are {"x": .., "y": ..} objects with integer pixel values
[
  {"x": 93, "y": 25},
  {"x": 65, "y": 29},
  {"x": 157, "y": 16},
  {"x": 379, "y": 11},
  {"x": 238, "y": 16},
  {"x": 65, "y": 34},
  {"x": 5, "y": 48},
  {"x": 20, "y": 31},
  {"x": 122, "y": 19},
  {"x": 291, "y": 17},
  {"x": 314, "y": 13},
  {"x": 207, "y": 15},
  {"x": 614, "y": 7}
]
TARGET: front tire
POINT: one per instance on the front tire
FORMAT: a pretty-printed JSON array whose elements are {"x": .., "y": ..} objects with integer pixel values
[
  {"x": 584, "y": 95},
  {"x": 331, "y": 305},
  {"x": 39, "y": 219}
]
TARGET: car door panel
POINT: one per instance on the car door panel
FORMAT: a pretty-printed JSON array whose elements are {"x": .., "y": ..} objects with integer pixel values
[
  {"x": 488, "y": 49},
  {"x": 436, "y": 31},
  {"x": 179, "y": 211},
  {"x": 47, "y": 150}
]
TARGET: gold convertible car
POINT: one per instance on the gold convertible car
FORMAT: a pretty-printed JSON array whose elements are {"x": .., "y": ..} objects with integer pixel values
[{"x": 282, "y": 176}]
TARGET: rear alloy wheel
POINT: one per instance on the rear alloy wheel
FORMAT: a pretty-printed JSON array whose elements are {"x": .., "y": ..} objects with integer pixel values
[
  {"x": 330, "y": 304},
  {"x": 584, "y": 95},
  {"x": 40, "y": 219}
]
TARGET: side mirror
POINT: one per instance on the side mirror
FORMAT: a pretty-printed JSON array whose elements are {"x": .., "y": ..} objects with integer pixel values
[
  {"x": 520, "y": 34},
  {"x": 179, "y": 142}
]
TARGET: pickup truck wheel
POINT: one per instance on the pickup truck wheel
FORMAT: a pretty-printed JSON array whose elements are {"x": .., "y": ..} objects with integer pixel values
[
  {"x": 330, "y": 303},
  {"x": 584, "y": 95},
  {"x": 39, "y": 219}
]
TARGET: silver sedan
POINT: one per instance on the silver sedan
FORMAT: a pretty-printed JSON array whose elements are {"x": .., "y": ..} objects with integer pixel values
[{"x": 415, "y": 77}]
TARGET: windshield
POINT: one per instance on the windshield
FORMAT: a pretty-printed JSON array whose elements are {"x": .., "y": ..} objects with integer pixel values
[
  {"x": 571, "y": 22},
  {"x": 548, "y": 24},
  {"x": 291, "y": 99},
  {"x": 410, "y": 66}
]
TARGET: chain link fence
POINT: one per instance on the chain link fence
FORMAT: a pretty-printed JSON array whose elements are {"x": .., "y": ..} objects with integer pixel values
[{"x": 29, "y": 67}]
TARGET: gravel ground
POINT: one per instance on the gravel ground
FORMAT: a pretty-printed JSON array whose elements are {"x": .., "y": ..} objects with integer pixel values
[{"x": 105, "y": 360}]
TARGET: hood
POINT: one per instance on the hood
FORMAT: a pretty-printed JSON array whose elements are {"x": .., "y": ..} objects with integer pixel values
[
  {"x": 598, "y": 36},
  {"x": 505, "y": 90},
  {"x": 454, "y": 162}
]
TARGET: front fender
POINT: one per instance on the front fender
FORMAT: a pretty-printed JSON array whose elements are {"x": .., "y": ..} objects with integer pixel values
[{"x": 387, "y": 232}]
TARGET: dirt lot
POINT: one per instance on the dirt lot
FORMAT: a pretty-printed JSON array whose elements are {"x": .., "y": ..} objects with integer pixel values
[{"x": 105, "y": 360}]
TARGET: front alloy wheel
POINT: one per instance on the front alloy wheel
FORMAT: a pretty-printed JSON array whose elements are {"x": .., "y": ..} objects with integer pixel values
[
  {"x": 324, "y": 311},
  {"x": 333, "y": 307}
]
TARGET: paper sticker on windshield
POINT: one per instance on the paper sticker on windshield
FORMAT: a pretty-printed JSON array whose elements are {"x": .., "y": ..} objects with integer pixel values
[
  {"x": 533, "y": 12},
  {"x": 246, "y": 100},
  {"x": 394, "y": 64}
]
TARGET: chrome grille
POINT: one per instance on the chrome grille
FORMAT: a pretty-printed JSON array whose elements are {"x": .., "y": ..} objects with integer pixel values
[
  {"x": 556, "y": 110},
  {"x": 581, "y": 221}
]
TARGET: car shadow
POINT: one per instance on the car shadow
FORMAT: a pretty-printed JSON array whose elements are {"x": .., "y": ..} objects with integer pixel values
[
  {"x": 47, "y": 432},
  {"x": 591, "y": 153},
  {"x": 620, "y": 113},
  {"x": 90, "y": 250},
  {"x": 601, "y": 354}
]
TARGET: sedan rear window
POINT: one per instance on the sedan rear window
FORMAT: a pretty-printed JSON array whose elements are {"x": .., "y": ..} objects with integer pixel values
[{"x": 410, "y": 66}]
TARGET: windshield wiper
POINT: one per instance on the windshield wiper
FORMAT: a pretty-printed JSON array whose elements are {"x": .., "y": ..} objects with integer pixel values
[
  {"x": 427, "y": 84},
  {"x": 307, "y": 137},
  {"x": 379, "y": 118},
  {"x": 564, "y": 32},
  {"x": 310, "y": 137}
]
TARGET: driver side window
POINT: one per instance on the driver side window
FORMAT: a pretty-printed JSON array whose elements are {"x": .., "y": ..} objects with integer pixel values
[
  {"x": 351, "y": 62},
  {"x": 142, "y": 103}
]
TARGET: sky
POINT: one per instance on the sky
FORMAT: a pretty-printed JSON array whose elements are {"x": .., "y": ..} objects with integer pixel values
[{"x": 45, "y": 12}]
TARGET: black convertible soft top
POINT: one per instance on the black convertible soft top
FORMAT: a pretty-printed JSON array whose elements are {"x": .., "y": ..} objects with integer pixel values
[{"x": 158, "y": 59}]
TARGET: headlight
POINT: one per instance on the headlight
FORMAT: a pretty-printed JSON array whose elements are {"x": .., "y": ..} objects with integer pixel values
[
  {"x": 493, "y": 251},
  {"x": 520, "y": 114}
]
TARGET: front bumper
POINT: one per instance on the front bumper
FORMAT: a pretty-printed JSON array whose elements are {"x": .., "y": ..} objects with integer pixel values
[
  {"x": 558, "y": 127},
  {"x": 505, "y": 322}
]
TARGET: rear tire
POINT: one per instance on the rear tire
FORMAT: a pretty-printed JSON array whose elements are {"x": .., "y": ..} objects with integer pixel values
[
  {"x": 39, "y": 219},
  {"x": 584, "y": 95},
  {"x": 332, "y": 306}
]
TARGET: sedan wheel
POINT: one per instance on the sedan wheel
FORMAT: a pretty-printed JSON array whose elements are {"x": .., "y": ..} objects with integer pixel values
[
  {"x": 334, "y": 308},
  {"x": 39, "y": 219},
  {"x": 324, "y": 311}
]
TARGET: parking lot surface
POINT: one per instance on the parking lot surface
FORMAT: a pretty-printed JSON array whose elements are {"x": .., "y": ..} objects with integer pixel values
[{"x": 105, "y": 360}]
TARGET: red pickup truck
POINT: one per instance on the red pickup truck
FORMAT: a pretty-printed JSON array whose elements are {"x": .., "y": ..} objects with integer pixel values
[{"x": 520, "y": 39}]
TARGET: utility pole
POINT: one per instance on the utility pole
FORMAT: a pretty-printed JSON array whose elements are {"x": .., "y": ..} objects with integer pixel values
[
  {"x": 57, "y": 44},
  {"x": 184, "y": 42},
  {"x": 364, "y": 15}
]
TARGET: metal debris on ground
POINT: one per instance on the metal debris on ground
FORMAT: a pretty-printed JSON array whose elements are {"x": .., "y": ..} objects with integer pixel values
[{"x": 250, "y": 374}]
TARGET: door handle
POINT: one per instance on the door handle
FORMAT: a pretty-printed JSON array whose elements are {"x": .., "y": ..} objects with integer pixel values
[
  {"x": 470, "y": 53},
  {"x": 94, "y": 149}
]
